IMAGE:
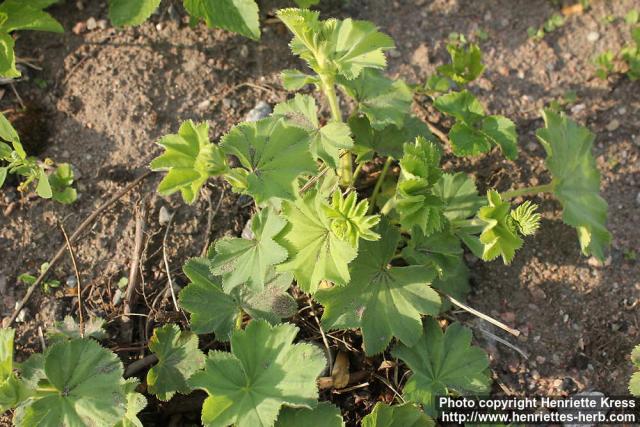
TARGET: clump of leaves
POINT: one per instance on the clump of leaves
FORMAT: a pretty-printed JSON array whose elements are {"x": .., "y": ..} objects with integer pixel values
[
  {"x": 47, "y": 285},
  {"x": 14, "y": 160},
  {"x": 381, "y": 259},
  {"x": 631, "y": 55},
  {"x": 604, "y": 64},
  {"x": 550, "y": 25},
  {"x": 21, "y": 15},
  {"x": 634, "y": 382}
]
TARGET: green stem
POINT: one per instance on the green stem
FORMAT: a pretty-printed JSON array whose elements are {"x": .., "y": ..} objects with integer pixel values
[
  {"x": 391, "y": 203},
  {"x": 239, "y": 319},
  {"x": 345, "y": 168},
  {"x": 463, "y": 223},
  {"x": 376, "y": 189},
  {"x": 545, "y": 188}
]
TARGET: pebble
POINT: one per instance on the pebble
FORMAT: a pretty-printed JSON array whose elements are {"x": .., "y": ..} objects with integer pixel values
[
  {"x": 638, "y": 199},
  {"x": 244, "y": 51},
  {"x": 204, "y": 104},
  {"x": 613, "y": 125},
  {"x": 622, "y": 111},
  {"x": 532, "y": 146},
  {"x": 79, "y": 28},
  {"x": 577, "y": 108},
  {"x": 395, "y": 53},
  {"x": 117, "y": 297},
  {"x": 71, "y": 282},
  {"x": 103, "y": 24},
  {"x": 164, "y": 215},
  {"x": 226, "y": 103},
  {"x": 593, "y": 36},
  {"x": 23, "y": 314},
  {"x": 92, "y": 24},
  {"x": 260, "y": 111}
]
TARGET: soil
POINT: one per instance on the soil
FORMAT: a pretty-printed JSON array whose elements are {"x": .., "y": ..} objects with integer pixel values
[{"x": 104, "y": 96}]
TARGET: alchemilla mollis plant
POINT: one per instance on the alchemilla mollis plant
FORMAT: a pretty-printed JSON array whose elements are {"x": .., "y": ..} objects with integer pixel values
[{"x": 380, "y": 260}]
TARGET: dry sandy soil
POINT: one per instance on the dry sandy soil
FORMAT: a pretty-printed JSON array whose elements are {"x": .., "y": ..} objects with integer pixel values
[{"x": 110, "y": 94}]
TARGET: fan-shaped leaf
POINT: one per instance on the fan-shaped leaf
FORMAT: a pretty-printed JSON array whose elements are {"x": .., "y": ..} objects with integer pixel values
[
  {"x": 443, "y": 363},
  {"x": 316, "y": 253},
  {"x": 499, "y": 235},
  {"x": 576, "y": 180},
  {"x": 273, "y": 153},
  {"x": 239, "y": 16},
  {"x": 384, "y": 301},
  {"x": 136, "y": 402},
  {"x": 131, "y": 12},
  {"x": 324, "y": 415},
  {"x": 263, "y": 372},
  {"x": 178, "y": 358},
  {"x": 405, "y": 415}
]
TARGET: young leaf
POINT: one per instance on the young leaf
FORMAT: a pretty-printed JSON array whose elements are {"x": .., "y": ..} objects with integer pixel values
[
  {"x": 190, "y": 159},
  {"x": 85, "y": 388},
  {"x": 466, "y": 64},
  {"x": 212, "y": 310},
  {"x": 6, "y": 353},
  {"x": 7, "y": 131},
  {"x": 384, "y": 101},
  {"x": 526, "y": 218},
  {"x": 325, "y": 415},
  {"x": 263, "y": 372},
  {"x": 467, "y": 141},
  {"x": 60, "y": 181},
  {"x": 7, "y": 57},
  {"x": 23, "y": 15},
  {"x": 349, "y": 219},
  {"x": 273, "y": 153},
  {"x": 405, "y": 415},
  {"x": 499, "y": 235},
  {"x": 178, "y": 358},
  {"x": 248, "y": 261},
  {"x": 324, "y": 142},
  {"x": 501, "y": 132},
  {"x": 335, "y": 46},
  {"x": 136, "y": 402},
  {"x": 385, "y": 142},
  {"x": 239, "y": 16},
  {"x": 384, "y": 301},
  {"x": 576, "y": 180},
  {"x": 43, "y": 188},
  {"x": 69, "y": 329},
  {"x": 442, "y": 364},
  {"x": 315, "y": 252},
  {"x": 296, "y": 80},
  {"x": 415, "y": 202},
  {"x": 131, "y": 12},
  {"x": 462, "y": 105},
  {"x": 459, "y": 195},
  {"x": 439, "y": 251}
]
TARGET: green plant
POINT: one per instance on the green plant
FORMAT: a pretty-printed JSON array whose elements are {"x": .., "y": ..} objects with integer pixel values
[
  {"x": 631, "y": 55},
  {"x": 604, "y": 64},
  {"x": 634, "y": 382},
  {"x": 56, "y": 185},
  {"x": 21, "y": 15},
  {"x": 238, "y": 16},
  {"x": 75, "y": 382},
  {"x": 550, "y": 25},
  {"x": 47, "y": 285}
]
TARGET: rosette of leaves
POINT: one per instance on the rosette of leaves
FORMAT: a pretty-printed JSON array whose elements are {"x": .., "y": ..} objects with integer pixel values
[
  {"x": 576, "y": 180},
  {"x": 272, "y": 153},
  {"x": 406, "y": 415},
  {"x": 316, "y": 253},
  {"x": 443, "y": 363},
  {"x": 344, "y": 47},
  {"x": 189, "y": 159},
  {"x": 474, "y": 132},
  {"x": 414, "y": 201},
  {"x": 21, "y": 15},
  {"x": 264, "y": 372},
  {"x": 383, "y": 300},
  {"x": 213, "y": 310},
  {"x": 178, "y": 358}
]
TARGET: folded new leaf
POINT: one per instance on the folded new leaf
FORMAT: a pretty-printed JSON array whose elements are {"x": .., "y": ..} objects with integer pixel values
[
  {"x": 442, "y": 364},
  {"x": 384, "y": 301},
  {"x": 264, "y": 372}
]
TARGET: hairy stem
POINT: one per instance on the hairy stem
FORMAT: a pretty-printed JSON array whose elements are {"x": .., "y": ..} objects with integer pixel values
[
  {"x": 545, "y": 188},
  {"x": 345, "y": 168},
  {"x": 239, "y": 319},
  {"x": 376, "y": 189}
]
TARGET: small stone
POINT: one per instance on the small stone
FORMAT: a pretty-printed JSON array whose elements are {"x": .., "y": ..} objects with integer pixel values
[
  {"x": 65, "y": 154},
  {"x": 613, "y": 125},
  {"x": 593, "y": 36},
  {"x": 532, "y": 146},
  {"x": 260, "y": 111},
  {"x": 92, "y": 24},
  {"x": 638, "y": 199},
  {"x": 79, "y": 28},
  {"x": 164, "y": 215},
  {"x": 395, "y": 53},
  {"x": 622, "y": 111},
  {"x": 159, "y": 26},
  {"x": 23, "y": 314},
  {"x": 577, "y": 108},
  {"x": 540, "y": 359},
  {"x": 71, "y": 282},
  {"x": 226, "y": 103},
  {"x": 487, "y": 16},
  {"x": 117, "y": 297},
  {"x": 103, "y": 24},
  {"x": 244, "y": 51},
  {"x": 520, "y": 74},
  {"x": 204, "y": 104},
  {"x": 79, "y": 5}
]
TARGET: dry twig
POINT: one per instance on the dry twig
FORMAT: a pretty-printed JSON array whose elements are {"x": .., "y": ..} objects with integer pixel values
[{"x": 75, "y": 269}]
